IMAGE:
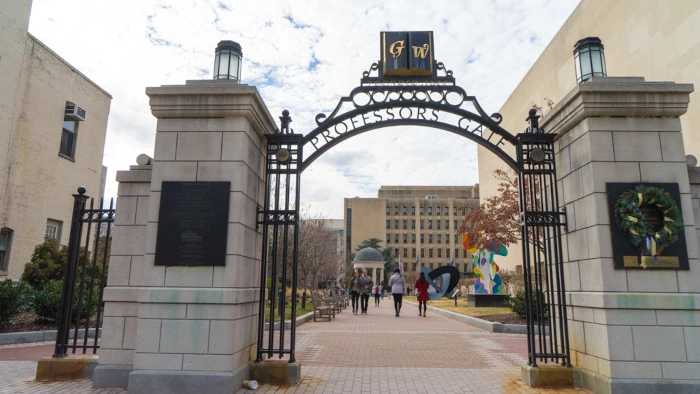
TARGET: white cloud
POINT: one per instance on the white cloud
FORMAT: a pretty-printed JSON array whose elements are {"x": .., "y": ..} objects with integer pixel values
[{"x": 303, "y": 56}]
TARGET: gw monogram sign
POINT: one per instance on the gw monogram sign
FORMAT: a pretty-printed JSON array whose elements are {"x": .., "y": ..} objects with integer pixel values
[{"x": 407, "y": 54}]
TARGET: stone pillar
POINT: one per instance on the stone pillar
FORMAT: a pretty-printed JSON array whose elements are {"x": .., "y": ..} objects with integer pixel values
[
  {"x": 196, "y": 327},
  {"x": 630, "y": 330},
  {"x": 126, "y": 273}
]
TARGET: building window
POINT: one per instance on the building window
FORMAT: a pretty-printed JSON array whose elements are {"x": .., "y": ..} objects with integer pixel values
[
  {"x": 388, "y": 238},
  {"x": 464, "y": 254},
  {"x": 430, "y": 254},
  {"x": 421, "y": 224},
  {"x": 405, "y": 238},
  {"x": 396, "y": 224},
  {"x": 396, "y": 238},
  {"x": 422, "y": 238},
  {"x": 413, "y": 254},
  {"x": 439, "y": 252},
  {"x": 413, "y": 237},
  {"x": 396, "y": 210},
  {"x": 422, "y": 252},
  {"x": 413, "y": 210},
  {"x": 421, "y": 210},
  {"x": 5, "y": 244},
  {"x": 430, "y": 211},
  {"x": 413, "y": 224},
  {"x": 455, "y": 211},
  {"x": 53, "y": 229},
  {"x": 455, "y": 225},
  {"x": 388, "y": 224},
  {"x": 437, "y": 211},
  {"x": 404, "y": 210},
  {"x": 447, "y": 224},
  {"x": 447, "y": 238},
  {"x": 456, "y": 252},
  {"x": 438, "y": 224},
  {"x": 405, "y": 224},
  {"x": 68, "y": 138},
  {"x": 430, "y": 224},
  {"x": 439, "y": 238},
  {"x": 405, "y": 252},
  {"x": 447, "y": 251},
  {"x": 388, "y": 210},
  {"x": 431, "y": 266},
  {"x": 396, "y": 252},
  {"x": 430, "y": 238}
]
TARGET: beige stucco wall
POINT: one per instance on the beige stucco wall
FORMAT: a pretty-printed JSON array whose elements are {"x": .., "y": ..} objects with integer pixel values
[
  {"x": 658, "y": 40},
  {"x": 36, "y": 183}
]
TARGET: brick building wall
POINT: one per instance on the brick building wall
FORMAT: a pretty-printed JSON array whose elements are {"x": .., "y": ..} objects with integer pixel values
[{"x": 36, "y": 183}]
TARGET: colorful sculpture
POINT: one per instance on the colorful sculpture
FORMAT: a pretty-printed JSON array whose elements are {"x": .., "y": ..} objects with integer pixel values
[{"x": 486, "y": 270}]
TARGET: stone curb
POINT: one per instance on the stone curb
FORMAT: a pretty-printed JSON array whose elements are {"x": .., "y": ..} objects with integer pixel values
[
  {"x": 13, "y": 338},
  {"x": 480, "y": 323},
  {"x": 287, "y": 323}
]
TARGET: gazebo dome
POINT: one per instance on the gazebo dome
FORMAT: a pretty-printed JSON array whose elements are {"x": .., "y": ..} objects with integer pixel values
[{"x": 368, "y": 254}]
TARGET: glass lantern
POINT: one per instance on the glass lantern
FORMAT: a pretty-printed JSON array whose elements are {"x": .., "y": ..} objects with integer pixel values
[
  {"x": 227, "y": 60},
  {"x": 589, "y": 58}
]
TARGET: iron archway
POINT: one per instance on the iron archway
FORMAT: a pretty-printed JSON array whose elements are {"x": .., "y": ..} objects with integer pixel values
[{"x": 435, "y": 102}]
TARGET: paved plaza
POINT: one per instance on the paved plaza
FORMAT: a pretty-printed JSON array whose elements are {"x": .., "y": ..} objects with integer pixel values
[{"x": 373, "y": 353}]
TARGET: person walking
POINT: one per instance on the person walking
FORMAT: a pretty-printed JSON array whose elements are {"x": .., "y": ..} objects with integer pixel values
[
  {"x": 355, "y": 288},
  {"x": 421, "y": 287},
  {"x": 365, "y": 290},
  {"x": 397, "y": 284},
  {"x": 376, "y": 292}
]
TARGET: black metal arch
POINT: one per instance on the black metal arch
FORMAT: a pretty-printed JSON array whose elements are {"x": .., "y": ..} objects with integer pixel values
[
  {"x": 436, "y": 102},
  {"x": 487, "y": 134}
]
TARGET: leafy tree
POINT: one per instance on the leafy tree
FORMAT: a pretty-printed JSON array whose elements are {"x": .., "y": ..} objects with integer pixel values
[
  {"x": 49, "y": 260},
  {"x": 14, "y": 297},
  {"x": 497, "y": 220}
]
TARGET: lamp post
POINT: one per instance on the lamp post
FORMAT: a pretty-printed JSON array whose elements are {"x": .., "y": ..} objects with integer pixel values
[
  {"x": 589, "y": 58},
  {"x": 227, "y": 60}
]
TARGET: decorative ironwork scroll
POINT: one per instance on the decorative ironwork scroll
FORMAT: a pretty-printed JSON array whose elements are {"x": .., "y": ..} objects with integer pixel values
[{"x": 432, "y": 102}]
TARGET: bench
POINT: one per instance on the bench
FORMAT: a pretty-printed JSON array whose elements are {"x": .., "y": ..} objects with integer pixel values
[{"x": 322, "y": 311}]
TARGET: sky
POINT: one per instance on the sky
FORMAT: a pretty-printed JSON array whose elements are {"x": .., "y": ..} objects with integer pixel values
[{"x": 302, "y": 56}]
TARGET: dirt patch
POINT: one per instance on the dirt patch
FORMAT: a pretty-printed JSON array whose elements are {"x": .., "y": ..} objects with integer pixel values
[
  {"x": 29, "y": 321},
  {"x": 508, "y": 318}
]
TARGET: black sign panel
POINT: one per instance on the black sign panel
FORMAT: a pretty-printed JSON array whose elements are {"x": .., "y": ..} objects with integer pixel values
[
  {"x": 193, "y": 224},
  {"x": 625, "y": 254},
  {"x": 407, "y": 53}
]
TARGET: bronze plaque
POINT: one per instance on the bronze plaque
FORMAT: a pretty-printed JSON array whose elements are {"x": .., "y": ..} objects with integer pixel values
[{"x": 193, "y": 224}]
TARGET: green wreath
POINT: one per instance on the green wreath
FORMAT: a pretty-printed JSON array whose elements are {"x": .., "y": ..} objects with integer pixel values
[{"x": 630, "y": 217}]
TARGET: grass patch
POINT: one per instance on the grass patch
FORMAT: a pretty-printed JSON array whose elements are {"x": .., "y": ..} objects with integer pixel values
[
  {"x": 463, "y": 308},
  {"x": 288, "y": 310}
]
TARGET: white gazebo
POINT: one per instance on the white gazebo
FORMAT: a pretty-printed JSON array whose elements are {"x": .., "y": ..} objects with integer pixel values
[{"x": 369, "y": 258}]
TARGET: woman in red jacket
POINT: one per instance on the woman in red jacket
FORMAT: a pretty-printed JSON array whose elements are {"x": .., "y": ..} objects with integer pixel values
[{"x": 421, "y": 286}]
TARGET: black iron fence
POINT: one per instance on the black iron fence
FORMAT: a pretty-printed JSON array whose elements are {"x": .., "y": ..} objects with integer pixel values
[
  {"x": 542, "y": 222},
  {"x": 85, "y": 276}
]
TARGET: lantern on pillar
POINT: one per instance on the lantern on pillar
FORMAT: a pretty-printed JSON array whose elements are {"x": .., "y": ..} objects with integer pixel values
[
  {"x": 589, "y": 58},
  {"x": 227, "y": 60}
]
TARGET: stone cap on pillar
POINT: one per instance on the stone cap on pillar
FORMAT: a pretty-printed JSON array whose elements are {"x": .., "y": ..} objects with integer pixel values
[
  {"x": 617, "y": 96},
  {"x": 212, "y": 99}
]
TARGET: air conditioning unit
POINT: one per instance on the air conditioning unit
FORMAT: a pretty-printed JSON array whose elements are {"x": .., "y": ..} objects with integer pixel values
[{"x": 74, "y": 112}]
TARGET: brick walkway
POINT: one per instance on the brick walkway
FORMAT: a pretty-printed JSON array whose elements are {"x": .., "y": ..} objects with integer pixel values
[
  {"x": 374, "y": 353},
  {"x": 381, "y": 353}
]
